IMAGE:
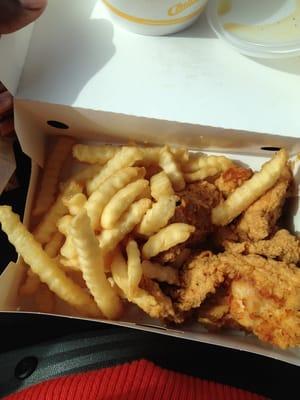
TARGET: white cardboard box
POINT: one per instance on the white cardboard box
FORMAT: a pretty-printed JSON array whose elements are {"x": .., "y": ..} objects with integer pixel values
[{"x": 109, "y": 85}]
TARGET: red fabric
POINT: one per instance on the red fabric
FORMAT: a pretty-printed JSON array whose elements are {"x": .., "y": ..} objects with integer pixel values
[{"x": 139, "y": 380}]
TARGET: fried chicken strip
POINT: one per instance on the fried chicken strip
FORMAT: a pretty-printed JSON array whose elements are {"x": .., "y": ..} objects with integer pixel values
[
  {"x": 196, "y": 203},
  {"x": 282, "y": 246},
  {"x": 265, "y": 298},
  {"x": 263, "y": 295},
  {"x": 232, "y": 179},
  {"x": 214, "y": 311},
  {"x": 194, "y": 208},
  {"x": 259, "y": 220},
  {"x": 153, "y": 301},
  {"x": 200, "y": 277}
]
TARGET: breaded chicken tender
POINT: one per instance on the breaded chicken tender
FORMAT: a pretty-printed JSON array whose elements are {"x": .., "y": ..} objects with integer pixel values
[
  {"x": 263, "y": 295},
  {"x": 282, "y": 246},
  {"x": 214, "y": 311},
  {"x": 194, "y": 208},
  {"x": 154, "y": 302},
  {"x": 196, "y": 203},
  {"x": 200, "y": 277},
  {"x": 259, "y": 220},
  {"x": 232, "y": 179}
]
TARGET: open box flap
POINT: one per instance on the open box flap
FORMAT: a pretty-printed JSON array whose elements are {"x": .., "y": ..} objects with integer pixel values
[
  {"x": 32, "y": 118},
  {"x": 13, "y": 51}
]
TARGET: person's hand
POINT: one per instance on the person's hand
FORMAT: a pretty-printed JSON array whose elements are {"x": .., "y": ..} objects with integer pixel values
[
  {"x": 15, "y": 14},
  {"x": 6, "y": 112}
]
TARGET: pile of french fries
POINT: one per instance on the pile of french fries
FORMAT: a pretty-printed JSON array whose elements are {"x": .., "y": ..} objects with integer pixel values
[{"x": 99, "y": 230}]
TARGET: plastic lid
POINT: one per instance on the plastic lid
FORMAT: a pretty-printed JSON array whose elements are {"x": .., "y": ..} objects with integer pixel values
[{"x": 258, "y": 28}]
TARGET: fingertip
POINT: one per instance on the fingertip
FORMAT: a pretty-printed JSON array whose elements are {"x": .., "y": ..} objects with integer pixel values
[
  {"x": 33, "y": 4},
  {"x": 16, "y": 15},
  {"x": 6, "y": 103}
]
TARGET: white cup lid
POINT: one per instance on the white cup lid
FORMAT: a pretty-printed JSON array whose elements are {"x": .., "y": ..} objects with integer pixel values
[{"x": 258, "y": 28}]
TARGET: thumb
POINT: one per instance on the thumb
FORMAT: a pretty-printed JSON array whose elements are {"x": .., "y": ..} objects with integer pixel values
[{"x": 15, "y": 14}]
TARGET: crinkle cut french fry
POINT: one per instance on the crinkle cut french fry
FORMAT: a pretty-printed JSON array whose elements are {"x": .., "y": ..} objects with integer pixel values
[
  {"x": 109, "y": 238},
  {"x": 192, "y": 164},
  {"x": 94, "y": 154},
  {"x": 251, "y": 190},
  {"x": 207, "y": 166},
  {"x": 180, "y": 154},
  {"x": 166, "y": 238},
  {"x": 49, "y": 183},
  {"x": 69, "y": 257},
  {"x": 145, "y": 194},
  {"x": 120, "y": 202},
  {"x": 161, "y": 185},
  {"x": 210, "y": 161},
  {"x": 69, "y": 263},
  {"x": 99, "y": 199},
  {"x": 83, "y": 176},
  {"x": 87, "y": 173},
  {"x": 116, "y": 288},
  {"x": 140, "y": 297},
  {"x": 191, "y": 177},
  {"x": 91, "y": 263},
  {"x": 41, "y": 264},
  {"x": 158, "y": 216},
  {"x": 64, "y": 224},
  {"x": 126, "y": 157},
  {"x": 199, "y": 161},
  {"x": 75, "y": 203},
  {"x": 68, "y": 249},
  {"x": 31, "y": 284},
  {"x": 151, "y": 155},
  {"x": 135, "y": 271},
  {"x": 119, "y": 271},
  {"x": 101, "y": 154},
  {"x": 47, "y": 227},
  {"x": 160, "y": 273},
  {"x": 171, "y": 168},
  {"x": 52, "y": 248}
]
